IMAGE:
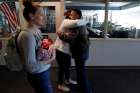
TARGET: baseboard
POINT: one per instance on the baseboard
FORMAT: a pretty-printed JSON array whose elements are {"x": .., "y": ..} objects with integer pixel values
[
  {"x": 113, "y": 67},
  {"x": 93, "y": 67},
  {"x": 107, "y": 67}
]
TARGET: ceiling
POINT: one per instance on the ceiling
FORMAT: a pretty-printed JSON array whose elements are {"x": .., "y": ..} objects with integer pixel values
[
  {"x": 97, "y": 4},
  {"x": 101, "y": 5},
  {"x": 84, "y": 0},
  {"x": 104, "y": 0}
]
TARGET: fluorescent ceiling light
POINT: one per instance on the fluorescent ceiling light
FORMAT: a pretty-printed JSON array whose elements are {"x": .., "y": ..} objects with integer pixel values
[
  {"x": 68, "y": 1},
  {"x": 118, "y": 4}
]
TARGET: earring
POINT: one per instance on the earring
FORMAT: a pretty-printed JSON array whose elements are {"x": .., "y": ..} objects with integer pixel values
[{"x": 32, "y": 18}]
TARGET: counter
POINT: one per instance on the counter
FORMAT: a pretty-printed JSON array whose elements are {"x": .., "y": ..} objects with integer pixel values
[{"x": 114, "y": 52}]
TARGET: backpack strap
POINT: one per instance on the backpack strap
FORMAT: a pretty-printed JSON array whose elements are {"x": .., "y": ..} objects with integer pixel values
[
  {"x": 16, "y": 43},
  {"x": 38, "y": 37}
]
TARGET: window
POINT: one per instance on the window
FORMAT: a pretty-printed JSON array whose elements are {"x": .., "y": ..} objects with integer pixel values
[
  {"x": 123, "y": 20},
  {"x": 50, "y": 23}
]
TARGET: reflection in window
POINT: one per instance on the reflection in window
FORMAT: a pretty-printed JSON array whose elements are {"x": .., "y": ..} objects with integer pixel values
[
  {"x": 49, "y": 26},
  {"x": 123, "y": 20},
  {"x": 95, "y": 19}
]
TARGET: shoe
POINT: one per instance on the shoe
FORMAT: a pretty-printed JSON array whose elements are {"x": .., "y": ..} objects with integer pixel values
[
  {"x": 63, "y": 88},
  {"x": 70, "y": 81}
]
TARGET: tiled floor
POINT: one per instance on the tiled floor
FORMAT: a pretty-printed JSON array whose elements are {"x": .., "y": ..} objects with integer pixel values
[{"x": 102, "y": 80}]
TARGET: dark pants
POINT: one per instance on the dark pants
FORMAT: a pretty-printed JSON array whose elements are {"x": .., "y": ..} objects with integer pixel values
[
  {"x": 82, "y": 77},
  {"x": 64, "y": 62},
  {"x": 41, "y": 82}
]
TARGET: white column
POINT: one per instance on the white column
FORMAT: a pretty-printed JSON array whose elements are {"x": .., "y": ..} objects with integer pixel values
[{"x": 23, "y": 23}]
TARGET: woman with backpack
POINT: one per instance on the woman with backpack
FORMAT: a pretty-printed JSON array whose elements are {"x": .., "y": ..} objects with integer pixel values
[{"x": 29, "y": 42}]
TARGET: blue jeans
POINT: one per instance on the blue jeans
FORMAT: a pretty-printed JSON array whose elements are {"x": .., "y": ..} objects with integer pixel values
[
  {"x": 41, "y": 82},
  {"x": 82, "y": 77}
]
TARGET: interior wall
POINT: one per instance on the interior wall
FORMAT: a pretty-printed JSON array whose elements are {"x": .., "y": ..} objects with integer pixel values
[{"x": 59, "y": 13}]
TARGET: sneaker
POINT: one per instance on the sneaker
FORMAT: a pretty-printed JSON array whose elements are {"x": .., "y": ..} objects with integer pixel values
[
  {"x": 63, "y": 88},
  {"x": 70, "y": 81}
]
